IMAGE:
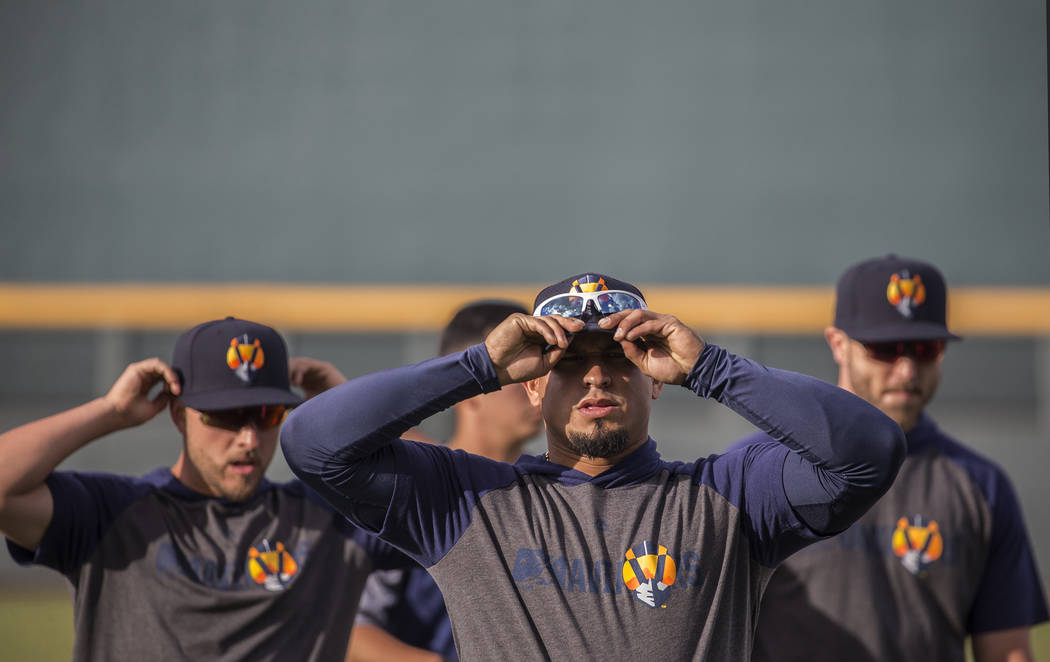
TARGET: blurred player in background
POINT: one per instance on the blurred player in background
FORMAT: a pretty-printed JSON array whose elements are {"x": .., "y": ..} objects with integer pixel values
[
  {"x": 944, "y": 554},
  {"x": 402, "y": 614},
  {"x": 597, "y": 549},
  {"x": 206, "y": 560}
]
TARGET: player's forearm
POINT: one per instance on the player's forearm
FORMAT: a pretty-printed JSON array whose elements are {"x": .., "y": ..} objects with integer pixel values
[
  {"x": 328, "y": 438},
  {"x": 370, "y": 643},
  {"x": 846, "y": 451},
  {"x": 30, "y": 452},
  {"x": 1013, "y": 645}
]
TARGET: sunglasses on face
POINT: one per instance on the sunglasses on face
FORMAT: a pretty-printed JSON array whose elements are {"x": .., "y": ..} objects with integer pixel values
[
  {"x": 607, "y": 302},
  {"x": 263, "y": 418},
  {"x": 922, "y": 351}
]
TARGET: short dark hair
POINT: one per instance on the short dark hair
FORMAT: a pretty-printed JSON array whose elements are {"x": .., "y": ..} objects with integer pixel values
[{"x": 472, "y": 323}]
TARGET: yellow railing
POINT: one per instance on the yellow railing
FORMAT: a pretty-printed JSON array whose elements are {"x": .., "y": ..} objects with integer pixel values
[{"x": 1008, "y": 311}]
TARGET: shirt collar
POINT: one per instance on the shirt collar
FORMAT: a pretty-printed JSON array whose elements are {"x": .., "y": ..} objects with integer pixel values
[
  {"x": 631, "y": 470},
  {"x": 162, "y": 478},
  {"x": 922, "y": 435}
]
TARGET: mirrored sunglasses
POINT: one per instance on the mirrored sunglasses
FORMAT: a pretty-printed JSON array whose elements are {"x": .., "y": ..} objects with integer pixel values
[
  {"x": 573, "y": 305},
  {"x": 263, "y": 418},
  {"x": 922, "y": 351}
]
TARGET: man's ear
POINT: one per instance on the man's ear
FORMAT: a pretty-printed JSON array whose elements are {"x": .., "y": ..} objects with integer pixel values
[
  {"x": 535, "y": 389},
  {"x": 658, "y": 388},
  {"x": 178, "y": 415},
  {"x": 838, "y": 341},
  {"x": 841, "y": 346}
]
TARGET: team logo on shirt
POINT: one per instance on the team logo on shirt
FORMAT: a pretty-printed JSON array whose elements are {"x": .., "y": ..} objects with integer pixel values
[
  {"x": 917, "y": 545},
  {"x": 649, "y": 572},
  {"x": 588, "y": 283},
  {"x": 905, "y": 292},
  {"x": 273, "y": 567},
  {"x": 245, "y": 357}
]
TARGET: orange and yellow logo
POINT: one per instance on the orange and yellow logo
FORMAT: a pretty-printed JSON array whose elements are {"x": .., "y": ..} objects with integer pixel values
[
  {"x": 905, "y": 292},
  {"x": 273, "y": 568},
  {"x": 588, "y": 285},
  {"x": 650, "y": 574},
  {"x": 245, "y": 357},
  {"x": 917, "y": 545}
]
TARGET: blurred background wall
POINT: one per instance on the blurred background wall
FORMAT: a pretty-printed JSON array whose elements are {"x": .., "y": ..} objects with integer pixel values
[{"x": 499, "y": 143}]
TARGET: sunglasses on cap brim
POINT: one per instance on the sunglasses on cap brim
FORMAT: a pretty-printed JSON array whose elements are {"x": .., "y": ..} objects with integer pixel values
[
  {"x": 606, "y": 301},
  {"x": 263, "y": 417},
  {"x": 921, "y": 351}
]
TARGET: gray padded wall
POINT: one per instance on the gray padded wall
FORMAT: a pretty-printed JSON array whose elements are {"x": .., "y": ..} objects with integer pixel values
[{"x": 497, "y": 141}]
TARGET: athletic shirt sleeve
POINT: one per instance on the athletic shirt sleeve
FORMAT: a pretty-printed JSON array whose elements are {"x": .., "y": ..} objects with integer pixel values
[
  {"x": 345, "y": 444},
  {"x": 1010, "y": 593},
  {"x": 837, "y": 454},
  {"x": 773, "y": 529},
  {"x": 85, "y": 506},
  {"x": 382, "y": 591},
  {"x": 384, "y": 556}
]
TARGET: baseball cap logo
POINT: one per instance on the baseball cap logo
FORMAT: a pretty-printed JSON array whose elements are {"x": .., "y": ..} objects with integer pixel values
[
  {"x": 588, "y": 283},
  {"x": 906, "y": 292},
  {"x": 245, "y": 357}
]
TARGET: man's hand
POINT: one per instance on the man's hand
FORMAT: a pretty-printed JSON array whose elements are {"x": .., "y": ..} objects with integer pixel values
[
  {"x": 30, "y": 452},
  {"x": 313, "y": 376},
  {"x": 129, "y": 397},
  {"x": 524, "y": 347},
  {"x": 660, "y": 345}
]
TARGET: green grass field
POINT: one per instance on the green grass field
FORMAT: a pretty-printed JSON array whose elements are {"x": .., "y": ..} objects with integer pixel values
[
  {"x": 38, "y": 627},
  {"x": 1041, "y": 642}
]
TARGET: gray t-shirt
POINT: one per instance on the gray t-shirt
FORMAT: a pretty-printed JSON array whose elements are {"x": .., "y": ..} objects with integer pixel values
[
  {"x": 660, "y": 566},
  {"x": 943, "y": 555},
  {"x": 163, "y": 573}
]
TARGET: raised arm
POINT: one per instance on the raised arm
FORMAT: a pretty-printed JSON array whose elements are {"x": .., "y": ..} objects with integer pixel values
[
  {"x": 346, "y": 443},
  {"x": 845, "y": 452},
  {"x": 314, "y": 377},
  {"x": 29, "y": 453}
]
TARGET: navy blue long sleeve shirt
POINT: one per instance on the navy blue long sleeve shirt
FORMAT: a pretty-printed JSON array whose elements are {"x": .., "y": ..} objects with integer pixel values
[{"x": 538, "y": 561}]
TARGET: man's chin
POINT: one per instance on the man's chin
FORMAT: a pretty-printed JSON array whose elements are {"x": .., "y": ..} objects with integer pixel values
[
  {"x": 602, "y": 441},
  {"x": 241, "y": 491},
  {"x": 904, "y": 413}
]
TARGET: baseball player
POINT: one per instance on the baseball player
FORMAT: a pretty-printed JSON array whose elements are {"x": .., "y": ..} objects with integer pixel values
[
  {"x": 597, "y": 549},
  {"x": 402, "y": 615},
  {"x": 944, "y": 554},
  {"x": 205, "y": 560}
]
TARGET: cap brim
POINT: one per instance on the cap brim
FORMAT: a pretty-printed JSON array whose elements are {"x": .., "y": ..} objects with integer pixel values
[
  {"x": 244, "y": 397},
  {"x": 903, "y": 331}
]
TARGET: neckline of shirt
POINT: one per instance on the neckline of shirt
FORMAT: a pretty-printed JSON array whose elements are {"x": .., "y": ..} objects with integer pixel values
[
  {"x": 631, "y": 470},
  {"x": 922, "y": 435},
  {"x": 162, "y": 478}
]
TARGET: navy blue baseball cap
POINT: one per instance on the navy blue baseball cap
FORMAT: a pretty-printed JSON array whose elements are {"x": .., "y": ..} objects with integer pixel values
[
  {"x": 590, "y": 297},
  {"x": 232, "y": 363},
  {"x": 892, "y": 298}
]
